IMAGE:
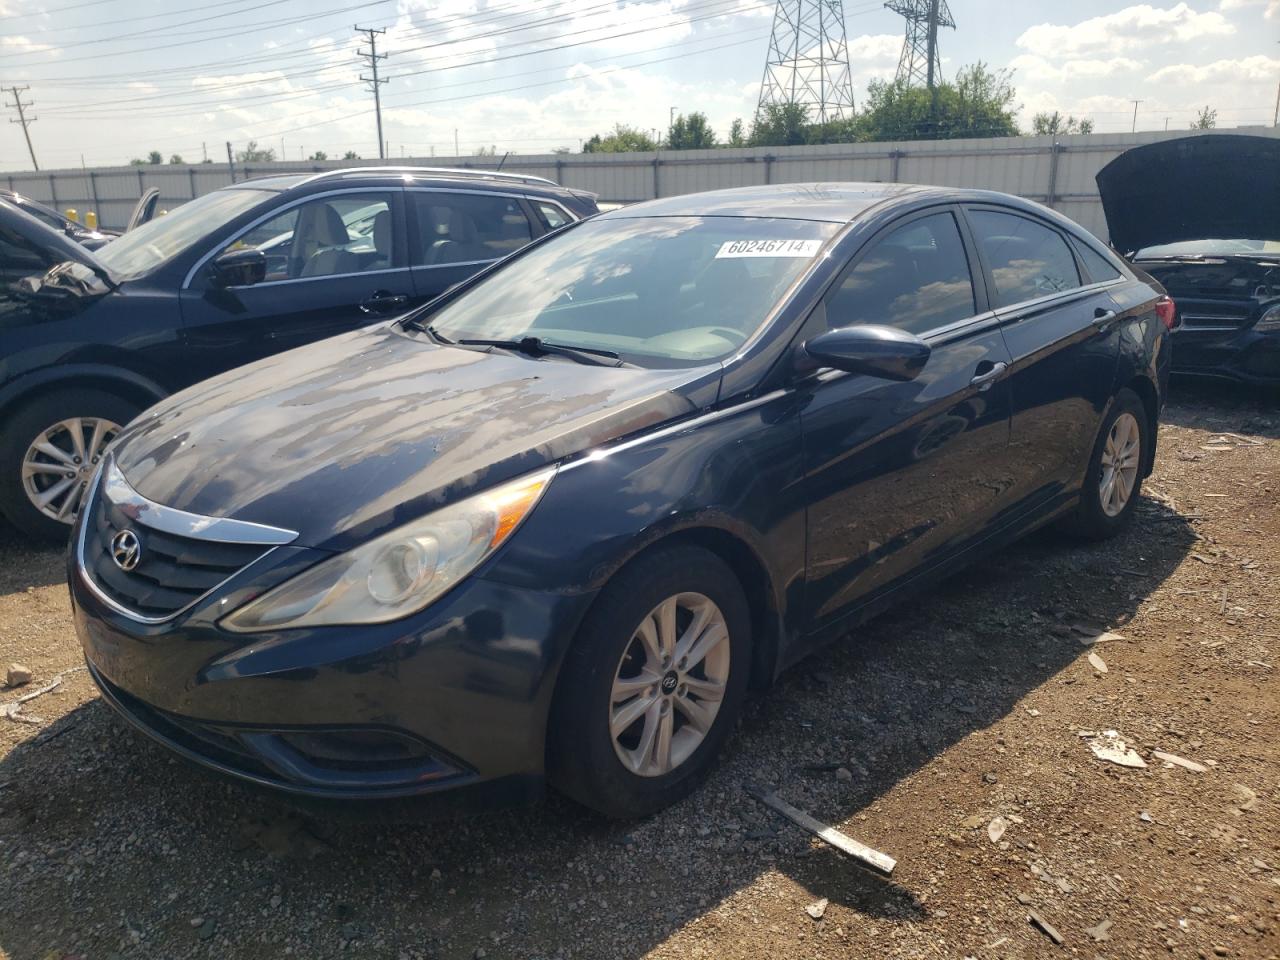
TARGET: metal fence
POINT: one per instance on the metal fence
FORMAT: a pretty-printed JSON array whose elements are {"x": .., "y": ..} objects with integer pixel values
[{"x": 1058, "y": 171}]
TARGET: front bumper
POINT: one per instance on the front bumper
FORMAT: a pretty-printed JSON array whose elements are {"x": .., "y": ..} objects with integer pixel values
[
  {"x": 454, "y": 697},
  {"x": 1239, "y": 355}
]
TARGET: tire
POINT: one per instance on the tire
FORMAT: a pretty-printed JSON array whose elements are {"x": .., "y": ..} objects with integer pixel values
[
  {"x": 56, "y": 412},
  {"x": 585, "y": 759},
  {"x": 1096, "y": 518}
]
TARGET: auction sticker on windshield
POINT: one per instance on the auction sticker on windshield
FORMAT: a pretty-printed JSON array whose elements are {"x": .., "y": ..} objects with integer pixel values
[{"x": 768, "y": 248}]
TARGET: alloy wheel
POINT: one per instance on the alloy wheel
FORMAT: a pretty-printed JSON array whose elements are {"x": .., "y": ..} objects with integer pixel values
[
  {"x": 669, "y": 684},
  {"x": 1120, "y": 458},
  {"x": 60, "y": 461}
]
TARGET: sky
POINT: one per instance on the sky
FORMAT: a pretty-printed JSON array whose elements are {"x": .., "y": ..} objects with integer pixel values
[{"x": 114, "y": 79}]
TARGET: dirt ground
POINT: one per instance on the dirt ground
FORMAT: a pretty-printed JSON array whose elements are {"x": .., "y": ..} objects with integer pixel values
[{"x": 914, "y": 736}]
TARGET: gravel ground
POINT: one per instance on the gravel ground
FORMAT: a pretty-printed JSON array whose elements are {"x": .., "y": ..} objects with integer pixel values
[{"x": 928, "y": 733}]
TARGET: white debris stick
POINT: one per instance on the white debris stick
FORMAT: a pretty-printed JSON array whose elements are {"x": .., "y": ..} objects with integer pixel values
[
  {"x": 1179, "y": 761},
  {"x": 880, "y": 862}
]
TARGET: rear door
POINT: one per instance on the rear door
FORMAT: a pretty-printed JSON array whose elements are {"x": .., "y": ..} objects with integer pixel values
[
  {"x": 455, "y": 233},
  {"x": 901, "y": 475},
  {"x": 335, "y": 262},
  {"x": 1063, "y": 334}
]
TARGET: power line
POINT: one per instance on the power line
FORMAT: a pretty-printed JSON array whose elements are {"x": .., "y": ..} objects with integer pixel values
[
  {"x": 372, "y": 58},
  {"x": 51, "y": 10},
  {"x": 24, "y": 119}
]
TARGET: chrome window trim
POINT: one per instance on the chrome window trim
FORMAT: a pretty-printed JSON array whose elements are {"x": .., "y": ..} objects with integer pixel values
[
  {"x": 327, "y": 276},
  {"x": 275, "y": 212},
  {"x": 1062, "y": 296},
  {"x": 170, "y": 520},
  {"x": 456, "y": 263}
]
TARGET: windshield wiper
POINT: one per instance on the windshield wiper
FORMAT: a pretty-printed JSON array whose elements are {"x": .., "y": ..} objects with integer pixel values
[{"x": 536, "y": 347}]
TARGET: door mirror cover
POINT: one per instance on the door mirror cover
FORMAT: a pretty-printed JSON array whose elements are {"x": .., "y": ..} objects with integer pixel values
[
  {"x": 871, "y": 349},
  {"x": 240, "y": 268}
]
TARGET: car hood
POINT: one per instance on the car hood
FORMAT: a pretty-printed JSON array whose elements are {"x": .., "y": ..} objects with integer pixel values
[
  {"x": 1192, "y": 188},
  {"x": 57, "y": 247},
  {"x": 351, "y": 436}
]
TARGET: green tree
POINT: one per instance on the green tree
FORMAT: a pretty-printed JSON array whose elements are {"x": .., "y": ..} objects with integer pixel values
[
  {"x": 691, "y": 132},
  {"x": 482, "y": 151},
  {"x": 978, "y": 103},
  {"x": 319, "y": 155},
  {"x": 155, "y": 156},
  {"x": 1048, "y": 124},
  {"x": 623, "y": 139},
  {"x": 176, "y": 158},
  {"x": 252, "y": 153},
  {"x": 137, "y": 162},
  {"x": 780, "y": 125},
  {"x": 1206, "y": 119},
  {"x": 351, "y": 155},
  {"x": 737, "y": 135}
]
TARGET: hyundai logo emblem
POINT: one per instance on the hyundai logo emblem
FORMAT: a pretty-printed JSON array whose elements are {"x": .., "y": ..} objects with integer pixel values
[{"x": 126, "y": 550}]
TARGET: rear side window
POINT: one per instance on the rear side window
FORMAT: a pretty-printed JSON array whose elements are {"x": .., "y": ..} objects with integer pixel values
[
  {"x": 466, "y": 227},
  {"x": 1028, "y": 260},
  {"x": 916, "y": 278},
  {"x": 1096, "y": 265},
  {"x": 555, "y": 217}
]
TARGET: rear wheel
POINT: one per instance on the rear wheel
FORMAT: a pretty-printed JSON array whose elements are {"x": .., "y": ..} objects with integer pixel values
[
  {"x": 1113, "y": 480},
  {"x": 48, "y": 452},
  {"x": 653, "y": 684}
]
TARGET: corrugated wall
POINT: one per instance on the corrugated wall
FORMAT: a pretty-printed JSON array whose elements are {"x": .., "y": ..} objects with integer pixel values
[{"x": 1057, "y": 172}]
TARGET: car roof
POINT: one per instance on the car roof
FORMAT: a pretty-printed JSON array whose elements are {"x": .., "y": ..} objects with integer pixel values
[
  {"x": 402, "y": 175},
  {"x": 830, "y": 202}
]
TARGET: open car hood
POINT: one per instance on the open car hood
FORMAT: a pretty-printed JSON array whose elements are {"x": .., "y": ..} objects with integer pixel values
[
  {"x": 49, "y": 245},
  {"x": 1215, "y": 186}
]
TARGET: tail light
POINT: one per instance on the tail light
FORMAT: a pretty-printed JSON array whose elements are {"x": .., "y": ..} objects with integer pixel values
[{"x": 1167, "y": 311}]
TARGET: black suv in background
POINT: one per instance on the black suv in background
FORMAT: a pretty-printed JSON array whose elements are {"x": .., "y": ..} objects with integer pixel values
[{"x": 88, "y": 340}]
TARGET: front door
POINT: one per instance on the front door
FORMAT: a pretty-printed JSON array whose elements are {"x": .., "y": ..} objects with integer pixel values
[
  {"x": 901, "y": 475},
  {"x": 335, "y": 262}
]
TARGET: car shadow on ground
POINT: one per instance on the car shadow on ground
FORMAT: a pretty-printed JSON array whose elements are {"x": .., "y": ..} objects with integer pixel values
[
  {"x": 28, "y": 564},
  {"x": 1209, "y": 404},
  {"x": 152, "y": 855}
]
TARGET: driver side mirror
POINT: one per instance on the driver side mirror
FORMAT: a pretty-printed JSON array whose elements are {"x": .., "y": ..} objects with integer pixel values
[
  {"x": 239, "y": 268},
  {"x": 871, "y": 349}
]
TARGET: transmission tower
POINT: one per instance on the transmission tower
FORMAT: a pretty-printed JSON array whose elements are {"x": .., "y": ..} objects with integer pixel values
[
  {"x": 375, "y": 84},
  {"x": 808, "y": 60},
  {"x": 920, "y": 63}
]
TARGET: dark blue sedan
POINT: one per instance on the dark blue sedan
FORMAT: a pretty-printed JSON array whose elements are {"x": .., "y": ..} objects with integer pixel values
[{"x": 555, "y": 525}]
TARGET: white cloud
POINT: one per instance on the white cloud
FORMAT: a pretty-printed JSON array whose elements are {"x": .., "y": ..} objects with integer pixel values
[
  {"x": 1257, "y": 68},
  {"x": 1271, "y": 11},
  {"x": 1040, "y": 70},
  {"x": 18, "y": 45},
  {"x": 1133, "y": 29}
]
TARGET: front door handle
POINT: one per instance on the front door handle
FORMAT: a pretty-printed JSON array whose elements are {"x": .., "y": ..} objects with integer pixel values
[
  {"x": 1103, "y": 319},
  {"x": 984, "y": 380},
  {"x": 383, "y": 301}
]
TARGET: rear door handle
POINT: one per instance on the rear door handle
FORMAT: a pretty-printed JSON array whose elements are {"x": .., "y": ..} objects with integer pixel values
[
  {"x": 384, "y": 301},
  {"x": 1103, "y": 319},
  {"x": 984, "y": 380}
]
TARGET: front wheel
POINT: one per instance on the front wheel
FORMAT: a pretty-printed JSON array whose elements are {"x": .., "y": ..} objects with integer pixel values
[
  {"x": 48, "y": 452},
  {"x": 652, "y": 685},
  {"x": 1113, "y": 479}
]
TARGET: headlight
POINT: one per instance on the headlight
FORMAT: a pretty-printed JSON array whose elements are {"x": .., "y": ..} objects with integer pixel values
[
  {"x": 1269, "y": 321},
  {"x": 399, "y": 572}
]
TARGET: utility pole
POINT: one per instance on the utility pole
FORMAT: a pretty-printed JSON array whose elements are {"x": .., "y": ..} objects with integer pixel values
[
  {"x": 24, "y": 119},
  {"x": 455, "y": 142},
  {"x": 1135, "y": 103},
  {"x": 372, "y": 58},
  {"x": 231, "y": 163}
]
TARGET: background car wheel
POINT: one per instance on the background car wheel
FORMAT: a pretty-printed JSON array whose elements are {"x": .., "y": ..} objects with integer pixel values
[
  {"x": 48, "y": 452},
  {"x": 652, "y": 685},
  {"x": 1114, "y": 478}
]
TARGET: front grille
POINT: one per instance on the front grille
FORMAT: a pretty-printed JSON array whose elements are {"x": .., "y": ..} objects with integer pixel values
[{"x": 173, "y": 571}]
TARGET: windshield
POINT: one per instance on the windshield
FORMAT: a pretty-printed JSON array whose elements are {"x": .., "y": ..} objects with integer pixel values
[
  {"x": 1210, "y": 248},
  {"x": 658, "y": 291},
  {"x": 144, "y": 248}
]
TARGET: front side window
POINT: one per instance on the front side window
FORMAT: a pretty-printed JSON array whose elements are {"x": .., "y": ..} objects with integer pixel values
[
  {"x": 1028, "y": 260},
  {"x": 916, "y": 278},
  {"x": 468, "y": 227},
  {"x": 145, "y": 248},
  {"x": 325, "y": 237},
  {"x": 659, "y": 291}
]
